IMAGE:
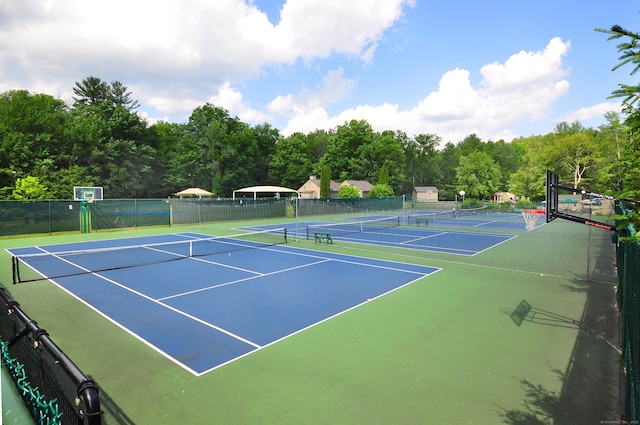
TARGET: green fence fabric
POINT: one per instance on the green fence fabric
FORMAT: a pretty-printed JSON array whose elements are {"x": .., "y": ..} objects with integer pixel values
[
  {"x": 52, "y": 216},
  {"x": 311, "y": 207},
  {"x": 629, "y": 296},
  {"x": 628, "y": 261},
  {"x": 111, "y": 214},
  {"x": 195, "y": 211},
  {"x": 29, "y": 217}
]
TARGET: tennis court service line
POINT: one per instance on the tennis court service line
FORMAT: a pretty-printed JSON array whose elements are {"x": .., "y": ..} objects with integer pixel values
[
  {"x": 376, "y": 266},
  {"x": 175, "y": 310},
  {"x": 159, "y": 302},
  {"x": 204, "y": 260},
  {"x": 485, "y": 223},
  {"x": 421, "y": 238},
  {"x": 340, "y": 258},
  {"x": 241, "y": 280}
]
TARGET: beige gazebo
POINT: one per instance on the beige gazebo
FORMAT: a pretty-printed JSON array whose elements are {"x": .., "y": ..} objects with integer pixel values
[
  {"x": 264, "y": 189},
  {"x": 194, "y": 191}
]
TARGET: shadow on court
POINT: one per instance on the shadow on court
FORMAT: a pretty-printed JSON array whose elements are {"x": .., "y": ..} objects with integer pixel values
[
  {"x": 590, "y": 383},
  {"x": 115, "y": 413}
]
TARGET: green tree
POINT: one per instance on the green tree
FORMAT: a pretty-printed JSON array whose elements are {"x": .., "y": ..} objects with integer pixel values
[
  {"x": 384, "y": 176},
  {"x": 29, "y": 187},
  {"x": 325, "y": 182},
  {"x": 61, "y": 181},
  {"x": 572, "y": 155},
  {"x": 32, "y": 138},
  {"x": 609, "y": 148},
  {"x": 344, "y": 150},
  {"x": 115, "y": 148},
  {"x": 380, "y": 190},
  {"x": 91, "y": 91},
  {"x": 470, "y": 144},
  {"x": 348, "y": 191},
  {"x": 421, "y": 161},
  {"x": 31, "y": 129},
  {"x": 629, "y": 50},
  {"x": 290, "y": 165},
  {"x": 478, "y": 175},
  {"x": 120, "y": 96},
  {"x": 266, "y": 138},
  {"x": 166, "y": 138},
  {"x": 508, "y": 158},
  {"x": 529, "y": 179},
  {"x": 447, "y": 163},
  {"x": 222, "y": 153}
]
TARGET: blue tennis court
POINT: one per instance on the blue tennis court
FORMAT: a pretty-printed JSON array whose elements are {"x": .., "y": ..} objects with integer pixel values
[
  {"x": 406, "y": 237},
  {"x": 207, "y": 310},
  {"x": 480, "y": 220}
]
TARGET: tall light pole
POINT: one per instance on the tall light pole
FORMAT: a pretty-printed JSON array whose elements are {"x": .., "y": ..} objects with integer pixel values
[{"x": 461, "y": 193}]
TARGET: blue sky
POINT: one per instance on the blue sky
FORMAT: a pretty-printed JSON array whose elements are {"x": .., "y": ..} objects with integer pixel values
[{"x": 499, "y": 69}]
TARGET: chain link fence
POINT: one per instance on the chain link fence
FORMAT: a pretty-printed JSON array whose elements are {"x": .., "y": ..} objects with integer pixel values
[{"x": 628, "y": 299}]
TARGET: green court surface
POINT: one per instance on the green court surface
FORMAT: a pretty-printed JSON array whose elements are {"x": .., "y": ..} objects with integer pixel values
[{"x": 441, "y": 350}]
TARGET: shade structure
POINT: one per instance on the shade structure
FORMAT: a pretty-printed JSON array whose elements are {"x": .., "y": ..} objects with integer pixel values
[
  {"x": 193, "y": 191},
  {"x": 264, "y": 189}
]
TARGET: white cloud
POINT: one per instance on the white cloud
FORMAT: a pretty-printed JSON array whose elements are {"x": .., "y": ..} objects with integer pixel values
[
  {"x": 171, "y": 48},
  {"x": 230, "y": 99},
  {"x": 594, "y": 111},
  {"x": 324, "y": 27},
  {"x": 520, "y": 89},
  {"x": 335, "y": 87},
  {"x": 177, "y": 55}
]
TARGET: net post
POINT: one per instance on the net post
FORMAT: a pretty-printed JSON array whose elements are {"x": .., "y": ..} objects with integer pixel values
[{"x": 15, "y": 267}]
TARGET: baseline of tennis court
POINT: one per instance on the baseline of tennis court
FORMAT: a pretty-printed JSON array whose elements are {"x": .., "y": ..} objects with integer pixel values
[{"x": 206, "y": 311}]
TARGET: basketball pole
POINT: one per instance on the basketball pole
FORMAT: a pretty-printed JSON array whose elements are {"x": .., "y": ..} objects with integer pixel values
[
  {"x": 83, "y": 209},
  {"x": 589, "y": 250}
]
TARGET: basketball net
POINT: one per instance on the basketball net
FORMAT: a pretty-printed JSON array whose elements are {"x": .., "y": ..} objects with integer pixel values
[{"x": 531, "y": 218}]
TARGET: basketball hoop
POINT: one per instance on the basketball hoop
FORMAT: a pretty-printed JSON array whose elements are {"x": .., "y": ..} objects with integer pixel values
[{"x": 531, "y": 218}]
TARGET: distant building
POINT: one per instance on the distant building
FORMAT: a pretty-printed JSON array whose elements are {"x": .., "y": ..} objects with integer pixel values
[
  {"x": 425, "y": 194},
  {"x": 500, "y": 197},
  {"x": 311, "y": 189}
]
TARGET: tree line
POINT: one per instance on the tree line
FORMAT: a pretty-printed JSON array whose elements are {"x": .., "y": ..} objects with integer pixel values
[{"x": 47, "y": 147}]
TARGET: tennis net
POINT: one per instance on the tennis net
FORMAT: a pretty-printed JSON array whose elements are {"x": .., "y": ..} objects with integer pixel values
[
  {"x": 347, "y": 228},
  {"x": 429, "y": 217},
  {"x": 466, "y": 212},
  {"x": 59, "y": 264}
]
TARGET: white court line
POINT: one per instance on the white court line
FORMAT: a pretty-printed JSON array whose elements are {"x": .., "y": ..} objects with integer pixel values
[
  {"x": 319, "y": 322},
  {"x": 421, "y": 238},
  {"x": 424, "y": 248},
  {"x": 240, "y": 280},
  {"x": 140, "y": 294},
  {"x": 282, "y": 249},
  {"x": 485, "y": 223}
]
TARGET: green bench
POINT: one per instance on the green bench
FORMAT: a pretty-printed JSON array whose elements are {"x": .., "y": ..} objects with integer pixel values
[
  {"x": 424, "y": 221},
  {"x": 319, "y": 237}
]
